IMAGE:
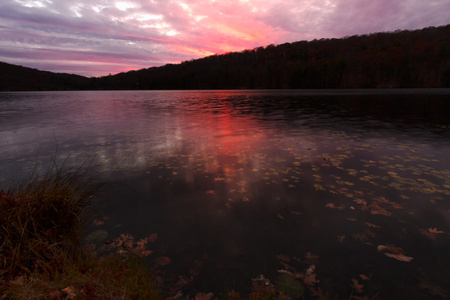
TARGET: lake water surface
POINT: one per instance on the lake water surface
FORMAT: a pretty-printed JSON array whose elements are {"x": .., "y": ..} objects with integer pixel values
[{"x": 348, "y": 191}]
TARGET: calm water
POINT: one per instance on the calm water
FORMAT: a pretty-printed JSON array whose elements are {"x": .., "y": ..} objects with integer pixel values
[{"x": 349, "y": 191}]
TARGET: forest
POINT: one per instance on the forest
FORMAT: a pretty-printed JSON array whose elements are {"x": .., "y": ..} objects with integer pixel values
[{"x": 400, "y": 59}]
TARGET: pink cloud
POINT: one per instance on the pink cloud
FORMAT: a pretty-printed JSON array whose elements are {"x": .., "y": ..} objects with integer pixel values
[{"x": 96, "y": 37}]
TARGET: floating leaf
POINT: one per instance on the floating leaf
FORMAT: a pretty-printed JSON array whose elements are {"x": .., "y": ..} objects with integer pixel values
[
  {"x": 431, "y": 232},
  {"x": 434, "y": 231},
  {"x": 279, "y": 216},
  {"x": 309, "y": 257},
  {"x": 364, "y": 277},
  {"x": 371, "y": 225},
  {"x": 357, "y": 286},
  {"x": 399, "y": 257},
  {"x": 310, "y": 270},
  {"x": 310, "y": 280},
  {"x": 97, "y": 222}
]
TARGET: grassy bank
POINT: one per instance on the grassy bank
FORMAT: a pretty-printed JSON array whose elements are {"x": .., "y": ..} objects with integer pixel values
[{"x": 41, "y": 256}]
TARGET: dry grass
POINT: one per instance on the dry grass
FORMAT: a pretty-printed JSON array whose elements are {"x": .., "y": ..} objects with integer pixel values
[{"x": 41, "y": 222}]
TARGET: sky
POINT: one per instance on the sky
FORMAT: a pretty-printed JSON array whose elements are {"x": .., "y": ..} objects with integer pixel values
[{"x": 101, "y": 37}]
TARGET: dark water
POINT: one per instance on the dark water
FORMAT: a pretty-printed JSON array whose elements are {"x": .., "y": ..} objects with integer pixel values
[{"x": 242, "y": 183}]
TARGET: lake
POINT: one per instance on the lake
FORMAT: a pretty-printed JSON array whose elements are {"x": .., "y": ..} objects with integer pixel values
[{"x": 348, "y": 191}]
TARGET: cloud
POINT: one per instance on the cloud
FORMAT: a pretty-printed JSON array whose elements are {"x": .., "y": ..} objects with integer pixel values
[{"x": 110, "y": 36}]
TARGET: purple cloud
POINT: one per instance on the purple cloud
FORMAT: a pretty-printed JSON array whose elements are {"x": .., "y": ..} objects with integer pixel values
[{"x": 98, "y": 37}]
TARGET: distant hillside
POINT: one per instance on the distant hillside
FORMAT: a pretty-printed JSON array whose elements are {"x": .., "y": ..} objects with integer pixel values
[
  {"x": 18, "y": 78},
  {"x": 418, "y": 59}
]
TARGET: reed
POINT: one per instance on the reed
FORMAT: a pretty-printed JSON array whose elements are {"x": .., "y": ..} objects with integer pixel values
[{"x": 41, "y": 223}]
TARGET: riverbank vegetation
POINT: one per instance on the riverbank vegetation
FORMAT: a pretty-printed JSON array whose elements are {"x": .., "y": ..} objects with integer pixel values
[
  {"x": 400, "y": 59},
  {"x": 41, "y": 253}
]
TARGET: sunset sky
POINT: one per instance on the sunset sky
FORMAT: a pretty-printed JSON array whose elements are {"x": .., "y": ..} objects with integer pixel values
[{"x": 98, "y": 37}]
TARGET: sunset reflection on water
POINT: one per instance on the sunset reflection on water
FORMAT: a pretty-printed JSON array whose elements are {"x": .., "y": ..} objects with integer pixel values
[{"x": 242, "y": 183}]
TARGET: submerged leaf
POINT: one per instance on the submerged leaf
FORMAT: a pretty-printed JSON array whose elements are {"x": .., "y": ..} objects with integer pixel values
[
  {"x": 162, "y": 261},
  {"x": 311, "y": 279}
]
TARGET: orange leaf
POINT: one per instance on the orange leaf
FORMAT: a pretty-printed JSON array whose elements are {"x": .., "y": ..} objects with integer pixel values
[
  {"x": 434, "y": 230},
  {"x": 310, "y": 280},
  {"x": 399, "y": 257},
  {"x": 372, "y": 225},
  {"x": 357, "y": 286},
  {"x": 364, "y": 277}
]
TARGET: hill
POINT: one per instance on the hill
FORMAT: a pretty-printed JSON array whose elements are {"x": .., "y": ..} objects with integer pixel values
[
  {"x": 400, "y": 59},
  {"x": 18, "y": 78}
]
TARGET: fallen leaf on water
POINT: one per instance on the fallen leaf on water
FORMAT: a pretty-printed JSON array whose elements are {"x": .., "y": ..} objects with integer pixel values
[
  {"x": 364, "y": 277},
  {"x": 341, "y": 238},
  {"x": 430, "y": 232},
  {"x": 364, "y": 237},
  {"x": 97, "y": 222},
  {"x": 357, "y": 286},
  {"x": 310, "y": 270},
  {"x": 399, "y": 257},
  {"x": 310, "y": 257},
  {"x": 434, "y": 230},
  {"x": 162, "y": 260},
  {"x": 330, "y": 205},
  {"x": 390, "y": 247},
  {"x": 210, "y": 192},
  {"x": 280, "y": 216},
  {"x": 376, "y": 209},
  {"x": 371, "y": 225},
  {"x": 310, "y": 280}
]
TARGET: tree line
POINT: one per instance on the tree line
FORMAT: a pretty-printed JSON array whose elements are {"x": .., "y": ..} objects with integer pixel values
[{"x": 400, "y": 59}]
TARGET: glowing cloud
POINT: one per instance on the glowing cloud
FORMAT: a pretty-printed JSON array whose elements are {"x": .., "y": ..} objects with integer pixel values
[{"x": 98, "y": 37}]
